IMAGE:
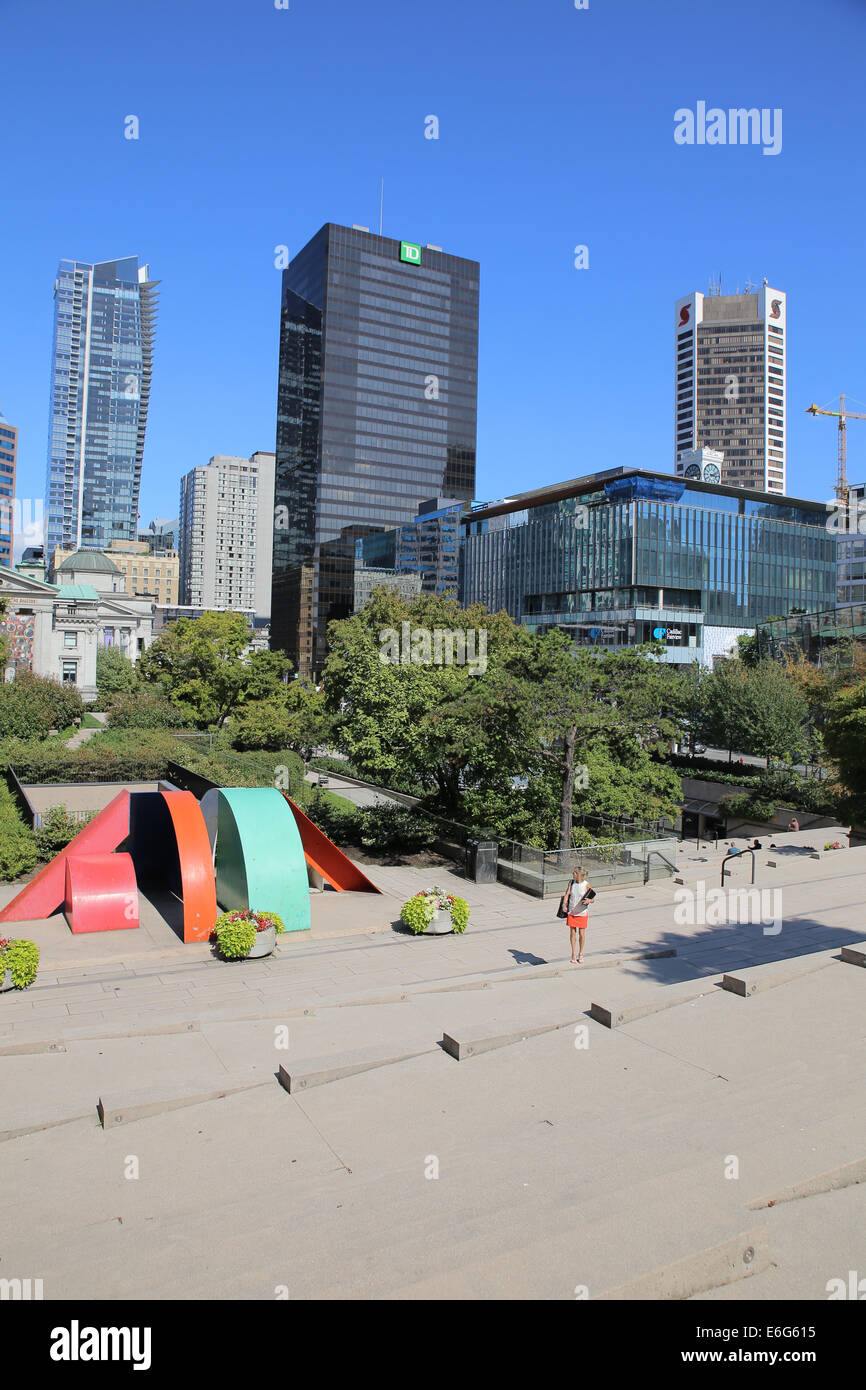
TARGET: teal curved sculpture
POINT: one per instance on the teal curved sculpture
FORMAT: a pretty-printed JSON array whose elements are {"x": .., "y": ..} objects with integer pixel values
[{"x": 258, "y": 856}]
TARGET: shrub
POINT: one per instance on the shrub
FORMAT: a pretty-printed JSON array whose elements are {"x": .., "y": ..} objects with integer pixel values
[
  {"x": 261, "y": 726},
  {"x": 31, "y": 705},
  {"x": 21, "y": 958},
  {"x": 145, "y": 710},
  {"x": 57, "y": 829},
  {"x": 18, "y": 853},
  {"x": 341, "y": 826},
  {"x": 391, "y": 828},
  {"x": 328, "y": 763},
  {"x": 748, "y": 807},
  {"x": 114, "y": 756}
]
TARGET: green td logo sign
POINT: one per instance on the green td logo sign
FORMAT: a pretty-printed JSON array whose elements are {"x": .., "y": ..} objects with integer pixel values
[{"x": 410, "y": 252}]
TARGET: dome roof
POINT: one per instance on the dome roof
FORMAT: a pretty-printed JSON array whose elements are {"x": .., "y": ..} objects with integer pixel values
[{"x": 89, "y": 560}]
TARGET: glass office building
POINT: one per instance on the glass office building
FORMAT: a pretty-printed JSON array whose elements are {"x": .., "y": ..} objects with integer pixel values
[
  {"x": 428, "y": 547},
  {"x": 625, "y": 556},
  {"x": 104, "y": 318},
  {"x": 376, "y": 411}
]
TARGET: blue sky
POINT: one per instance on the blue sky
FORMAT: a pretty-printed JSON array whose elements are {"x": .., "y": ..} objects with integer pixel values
[{"x": 556, "y": 129}]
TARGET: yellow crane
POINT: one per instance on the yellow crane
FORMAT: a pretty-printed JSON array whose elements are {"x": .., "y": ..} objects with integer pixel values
[{"x": 842, "y": 415}]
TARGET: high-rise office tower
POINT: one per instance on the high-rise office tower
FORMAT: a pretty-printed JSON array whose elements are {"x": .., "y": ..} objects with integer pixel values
[
  {"x": 104, "y": 316},
  {"x": 376, "y": 411},
  {"x": 8, "y": 464},
  {"x": 730, "y": 384},
  {"x": 226, "y": 533}
]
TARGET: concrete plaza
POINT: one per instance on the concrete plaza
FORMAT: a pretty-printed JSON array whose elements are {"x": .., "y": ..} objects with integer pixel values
[{"x": 710, "y": 1145}]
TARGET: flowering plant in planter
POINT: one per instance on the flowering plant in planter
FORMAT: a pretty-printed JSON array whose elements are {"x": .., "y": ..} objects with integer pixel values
[
  {"x": 21, "y": 959},
  {"x": 236, "y": 931},
  {"x": 418, "y": 912}
]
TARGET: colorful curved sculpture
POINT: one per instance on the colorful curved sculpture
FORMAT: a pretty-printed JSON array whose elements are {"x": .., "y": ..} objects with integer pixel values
[
  {"x": 101, "y": 893},
  {"x": 259, "y": 859},
  {"x": 198, "y": 890},
  {"x": 45, "y": 892},
  {"x": 239, "y": 847},
  {"x": 327, "y": 859}
]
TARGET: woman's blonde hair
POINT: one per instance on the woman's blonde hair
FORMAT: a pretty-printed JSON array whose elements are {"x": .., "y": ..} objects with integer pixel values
[{"x": 578, "y": 869}]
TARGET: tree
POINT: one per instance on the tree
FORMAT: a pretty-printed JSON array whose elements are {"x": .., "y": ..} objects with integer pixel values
[
  {"x": 758, "y": 710},
  {"x": 115, "y": 673},
  {"x": 310, "y": 721},
  {"x": 261, "y": 726},
  {"x": 845, "y": 741},
  {"x": 198, "y": 663},
  {"x": 604, "y": 712},
  {"x": 399, "y": 720}
]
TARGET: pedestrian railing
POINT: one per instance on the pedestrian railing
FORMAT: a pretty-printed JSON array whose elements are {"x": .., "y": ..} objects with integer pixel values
[{"x": 544, "y": 873}]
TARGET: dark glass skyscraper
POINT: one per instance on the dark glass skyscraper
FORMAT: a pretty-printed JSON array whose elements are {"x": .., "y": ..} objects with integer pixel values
[
  {"x": 376, "y": 411},
  {"x": 104, "y": 316}
]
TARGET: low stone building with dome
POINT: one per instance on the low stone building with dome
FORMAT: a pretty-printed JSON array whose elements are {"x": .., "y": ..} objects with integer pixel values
[{"x": 56, "y": 629}]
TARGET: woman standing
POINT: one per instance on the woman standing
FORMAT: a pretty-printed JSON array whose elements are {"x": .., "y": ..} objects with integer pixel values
[{"x": 576, "y": 908}]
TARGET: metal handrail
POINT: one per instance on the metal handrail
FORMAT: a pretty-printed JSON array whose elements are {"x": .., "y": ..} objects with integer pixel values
[
  {"x": 738, "y": 854},
  {"x": 662, "y": 857}
]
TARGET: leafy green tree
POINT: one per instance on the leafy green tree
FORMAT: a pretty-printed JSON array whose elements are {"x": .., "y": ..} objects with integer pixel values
[
  {"x": 198, "y": 663},
  {"x": 401, "y": 722},
  {"x": 310, "y": 721},
  {"x": 115, "y": 673},
  {"x": 756, "y": 709},
  {"x": 845, "y": 742},
  {"x": 559, "y": 711},
  {"x": 261, "y": 726}
]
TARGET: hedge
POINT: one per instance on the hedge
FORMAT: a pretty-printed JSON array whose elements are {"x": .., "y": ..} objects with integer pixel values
[
  {"x": 18, "y": 852},
  {"x": 113, "y": 756}
]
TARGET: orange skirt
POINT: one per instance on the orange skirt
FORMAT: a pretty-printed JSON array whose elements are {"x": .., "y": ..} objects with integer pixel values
[{"x": 579, "y": 922}]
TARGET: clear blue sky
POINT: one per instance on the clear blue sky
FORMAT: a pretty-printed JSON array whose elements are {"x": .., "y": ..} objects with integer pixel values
[{"x": 556, "y": 129}]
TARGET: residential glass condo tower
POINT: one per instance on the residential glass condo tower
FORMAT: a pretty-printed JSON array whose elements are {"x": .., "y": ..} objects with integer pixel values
[
  {"x": 104, "y": 317},
  {"x": 376, "y": 412}
]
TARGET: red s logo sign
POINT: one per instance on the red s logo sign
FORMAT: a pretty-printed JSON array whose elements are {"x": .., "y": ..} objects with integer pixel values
[
  {"x": 684, "y": 315},
  {"x": 775, "y": 308}
]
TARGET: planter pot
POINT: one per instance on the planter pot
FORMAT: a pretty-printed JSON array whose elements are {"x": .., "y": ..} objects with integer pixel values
[
  {"x": 6, "y": 981},
  {"x": 441, "y": 924},
  {"x": 264, "y": 943}
]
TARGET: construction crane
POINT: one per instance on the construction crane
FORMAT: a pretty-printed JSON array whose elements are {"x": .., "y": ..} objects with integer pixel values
[{"x": 842, "y": 415}]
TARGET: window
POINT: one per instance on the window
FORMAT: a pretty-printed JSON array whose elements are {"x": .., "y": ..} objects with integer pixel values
[
  {"x": 70, "y": 639},
  {"x": 70, "y": 672}
]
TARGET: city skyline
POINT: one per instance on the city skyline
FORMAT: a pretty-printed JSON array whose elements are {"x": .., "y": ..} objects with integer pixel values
[{"x": 515, "y": 173}]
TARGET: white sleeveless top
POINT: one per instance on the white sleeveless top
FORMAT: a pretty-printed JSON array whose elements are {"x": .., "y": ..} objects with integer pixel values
[{"x": 574, "y": 907}]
